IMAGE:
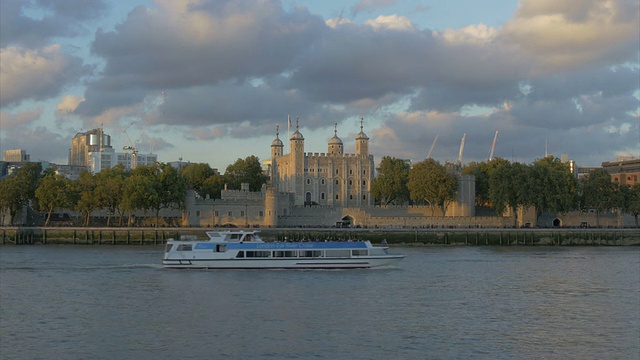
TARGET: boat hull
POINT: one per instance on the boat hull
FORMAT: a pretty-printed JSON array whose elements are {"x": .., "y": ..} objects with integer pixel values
[{"x": 274, "y": 263}]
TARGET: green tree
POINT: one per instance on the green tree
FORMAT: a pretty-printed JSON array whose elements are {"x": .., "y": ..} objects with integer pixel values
[
  {"x": 213, "y": 186},
  {"x": 430, "y": 181},
  {"x": 86, "y": 198},
  {"x": 553, "y": 186},
  {"x": 136, "y": 192},
  {"x": 168, "y": 189},
  {"x": 53, "y": 193},
  {"x": 509, "y": 188},
  {"x": 630, "y": 201},
  {"x": 19, "y": 189},
  {"x": 390, "y": 184},
  {"x": 248, "y": 171},
  {"x": 109, "y": 190},
  {"x": 599, "y": 192},
  {"x": 196, "y": 174},
  {"x": 482, "y": 172}
]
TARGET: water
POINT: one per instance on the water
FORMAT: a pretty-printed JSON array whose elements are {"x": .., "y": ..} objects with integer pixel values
[{"x": 116, "y": 302}]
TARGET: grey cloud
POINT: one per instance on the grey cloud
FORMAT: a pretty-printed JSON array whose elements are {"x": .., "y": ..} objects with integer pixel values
[
  {"x": 146, "y": 52},
  {"x": 65, "y": 20}
]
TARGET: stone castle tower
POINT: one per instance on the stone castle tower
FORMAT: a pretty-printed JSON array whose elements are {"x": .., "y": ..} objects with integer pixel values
[{"x": 332, "y": 179}]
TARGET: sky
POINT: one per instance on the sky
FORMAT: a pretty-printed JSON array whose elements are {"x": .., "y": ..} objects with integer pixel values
[{"x": 211, "y": 80}]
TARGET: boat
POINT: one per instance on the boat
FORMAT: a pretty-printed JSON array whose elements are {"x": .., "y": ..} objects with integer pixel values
[{"x": 239, "y": 249}]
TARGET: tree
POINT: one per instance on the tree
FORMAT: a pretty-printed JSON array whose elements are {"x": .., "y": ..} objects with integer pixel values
[
  {"x": 509, "y": 188},
  {"x": 136, "y": 191},
  {"x": 248, "y": 171},
  {"x": 390, "y": 184},
  {"x": 482, "y": 172},
  {"x": 19, "y": 189},
  {"x": 213, "y": 186},
  {"x": 598, "y": 192},
  {"x": 167, "y": 189},
  {"x": 430, "y": 181},
  {"x": 86, "y": 198},
  {"x": 630, "y": 201},
  {"x": 53, "y": 193},
  {"x": 196, "y": 174},
  {"x": 553, "y": 186},
  {"x": 109, "y": 187}
]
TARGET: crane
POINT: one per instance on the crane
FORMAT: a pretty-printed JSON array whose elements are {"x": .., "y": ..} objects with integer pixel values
[
  {"x": 461, "y": 149},
  {"x": 493, "y": 146},
  {"x": 151, "y": 106},
  {"x": 433, "y": 144}
]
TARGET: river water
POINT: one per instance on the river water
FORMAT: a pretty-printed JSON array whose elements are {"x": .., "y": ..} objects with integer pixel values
[{"x": 116, "y": 302}]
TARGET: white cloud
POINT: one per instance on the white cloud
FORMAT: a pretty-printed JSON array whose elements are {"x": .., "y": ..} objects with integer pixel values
[
  {"x": 567, "y": 34},
  {"x": 391, "y": 22},
  {"x": 479, "y": 34},
  {"x": 68, "y": 104},
  {"x": 35, "y": 74}
]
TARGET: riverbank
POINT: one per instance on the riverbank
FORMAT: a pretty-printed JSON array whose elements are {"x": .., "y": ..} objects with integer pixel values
[{"x": 406, "y": 237}]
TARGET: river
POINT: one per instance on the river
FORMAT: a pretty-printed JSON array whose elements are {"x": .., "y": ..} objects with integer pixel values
[{"x": 116, "y": 302}]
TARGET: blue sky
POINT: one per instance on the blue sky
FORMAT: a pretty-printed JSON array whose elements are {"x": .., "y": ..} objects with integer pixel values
[{"x": 209, "y": 81}]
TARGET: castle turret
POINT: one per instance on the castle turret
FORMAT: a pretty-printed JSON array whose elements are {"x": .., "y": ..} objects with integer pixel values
[
  {"x": 276, "y": 145},
  {"x": 335, "y": 144},
  {"x": 362, "y": 141},
  {"x": 296, "y": 170}
]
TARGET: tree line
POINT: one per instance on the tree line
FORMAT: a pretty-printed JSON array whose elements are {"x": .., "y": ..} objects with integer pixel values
[
  {"x": 545, "y": 185},
  {"x": 120, "y": 192}
]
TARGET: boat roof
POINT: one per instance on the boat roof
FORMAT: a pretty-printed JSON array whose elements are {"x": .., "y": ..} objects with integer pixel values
[{"x": 289, "y": 245}]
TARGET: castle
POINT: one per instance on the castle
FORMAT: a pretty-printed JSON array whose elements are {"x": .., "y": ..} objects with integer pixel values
[{"x": 321, "y": 189}]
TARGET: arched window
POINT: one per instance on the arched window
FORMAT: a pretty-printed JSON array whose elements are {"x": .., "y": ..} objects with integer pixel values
[
  {"x": 321, "y": 196},
  {"x": 337, "y": 182},
  {"x": 308, "y": 181},
  {"x": 350, "y": 182},
  {"x": 322, "y": 181},
  {"x": 364, "y": 182}
]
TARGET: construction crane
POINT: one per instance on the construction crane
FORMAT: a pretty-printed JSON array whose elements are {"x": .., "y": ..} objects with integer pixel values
[
  {"x": 493, "y": 145},
  {"x": 151, "y": 107},
  {"x": 461, "y": 149},
  {"x": 433, "y": 144}
]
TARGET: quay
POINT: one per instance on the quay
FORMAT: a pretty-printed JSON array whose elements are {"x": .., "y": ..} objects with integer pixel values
[{"x": 392, "y": 236}]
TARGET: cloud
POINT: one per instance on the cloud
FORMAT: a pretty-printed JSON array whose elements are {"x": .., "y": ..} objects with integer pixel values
[
  {"x": 191, "y": 44},
  {"x": 35, "y": 74},
  {"x": 60, "y": 19},
  {"x": 19, "y": 120},
  {"x": 391, "y": 22},
  {"x": 41, "y": 143},
  {"x": 568, "y": 34},
  {"x": 68, "y": 104}
]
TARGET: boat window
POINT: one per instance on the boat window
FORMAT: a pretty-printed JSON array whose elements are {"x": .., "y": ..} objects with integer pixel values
[
  {"x": 248, "y": 238},
  {"x": 359, "y": 252},
  {"x": 258, "y": 254},
  {"x": 338, "y": 253},
  {"x": 285, "y": 254},
  {"x": 184, "y": 247},
  {"x": 378, "y": 252},
  {"x": 235, "y": 236},
  {"x": 240, "y": 254},
  {"x": 221, "y": 248},
  {"x": 311, "y": 253},
  {"x": 167, "y": 247}
]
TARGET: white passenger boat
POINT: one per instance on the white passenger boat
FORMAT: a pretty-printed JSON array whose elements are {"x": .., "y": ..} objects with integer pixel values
[{"x": 246, "y": 250}]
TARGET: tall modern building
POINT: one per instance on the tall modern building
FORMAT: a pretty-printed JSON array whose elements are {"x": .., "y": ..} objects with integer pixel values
[
  {"x": 93, "y": 150},
  {"x": 84, "y": 143},
  {"x": 15, "y": 155}
]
